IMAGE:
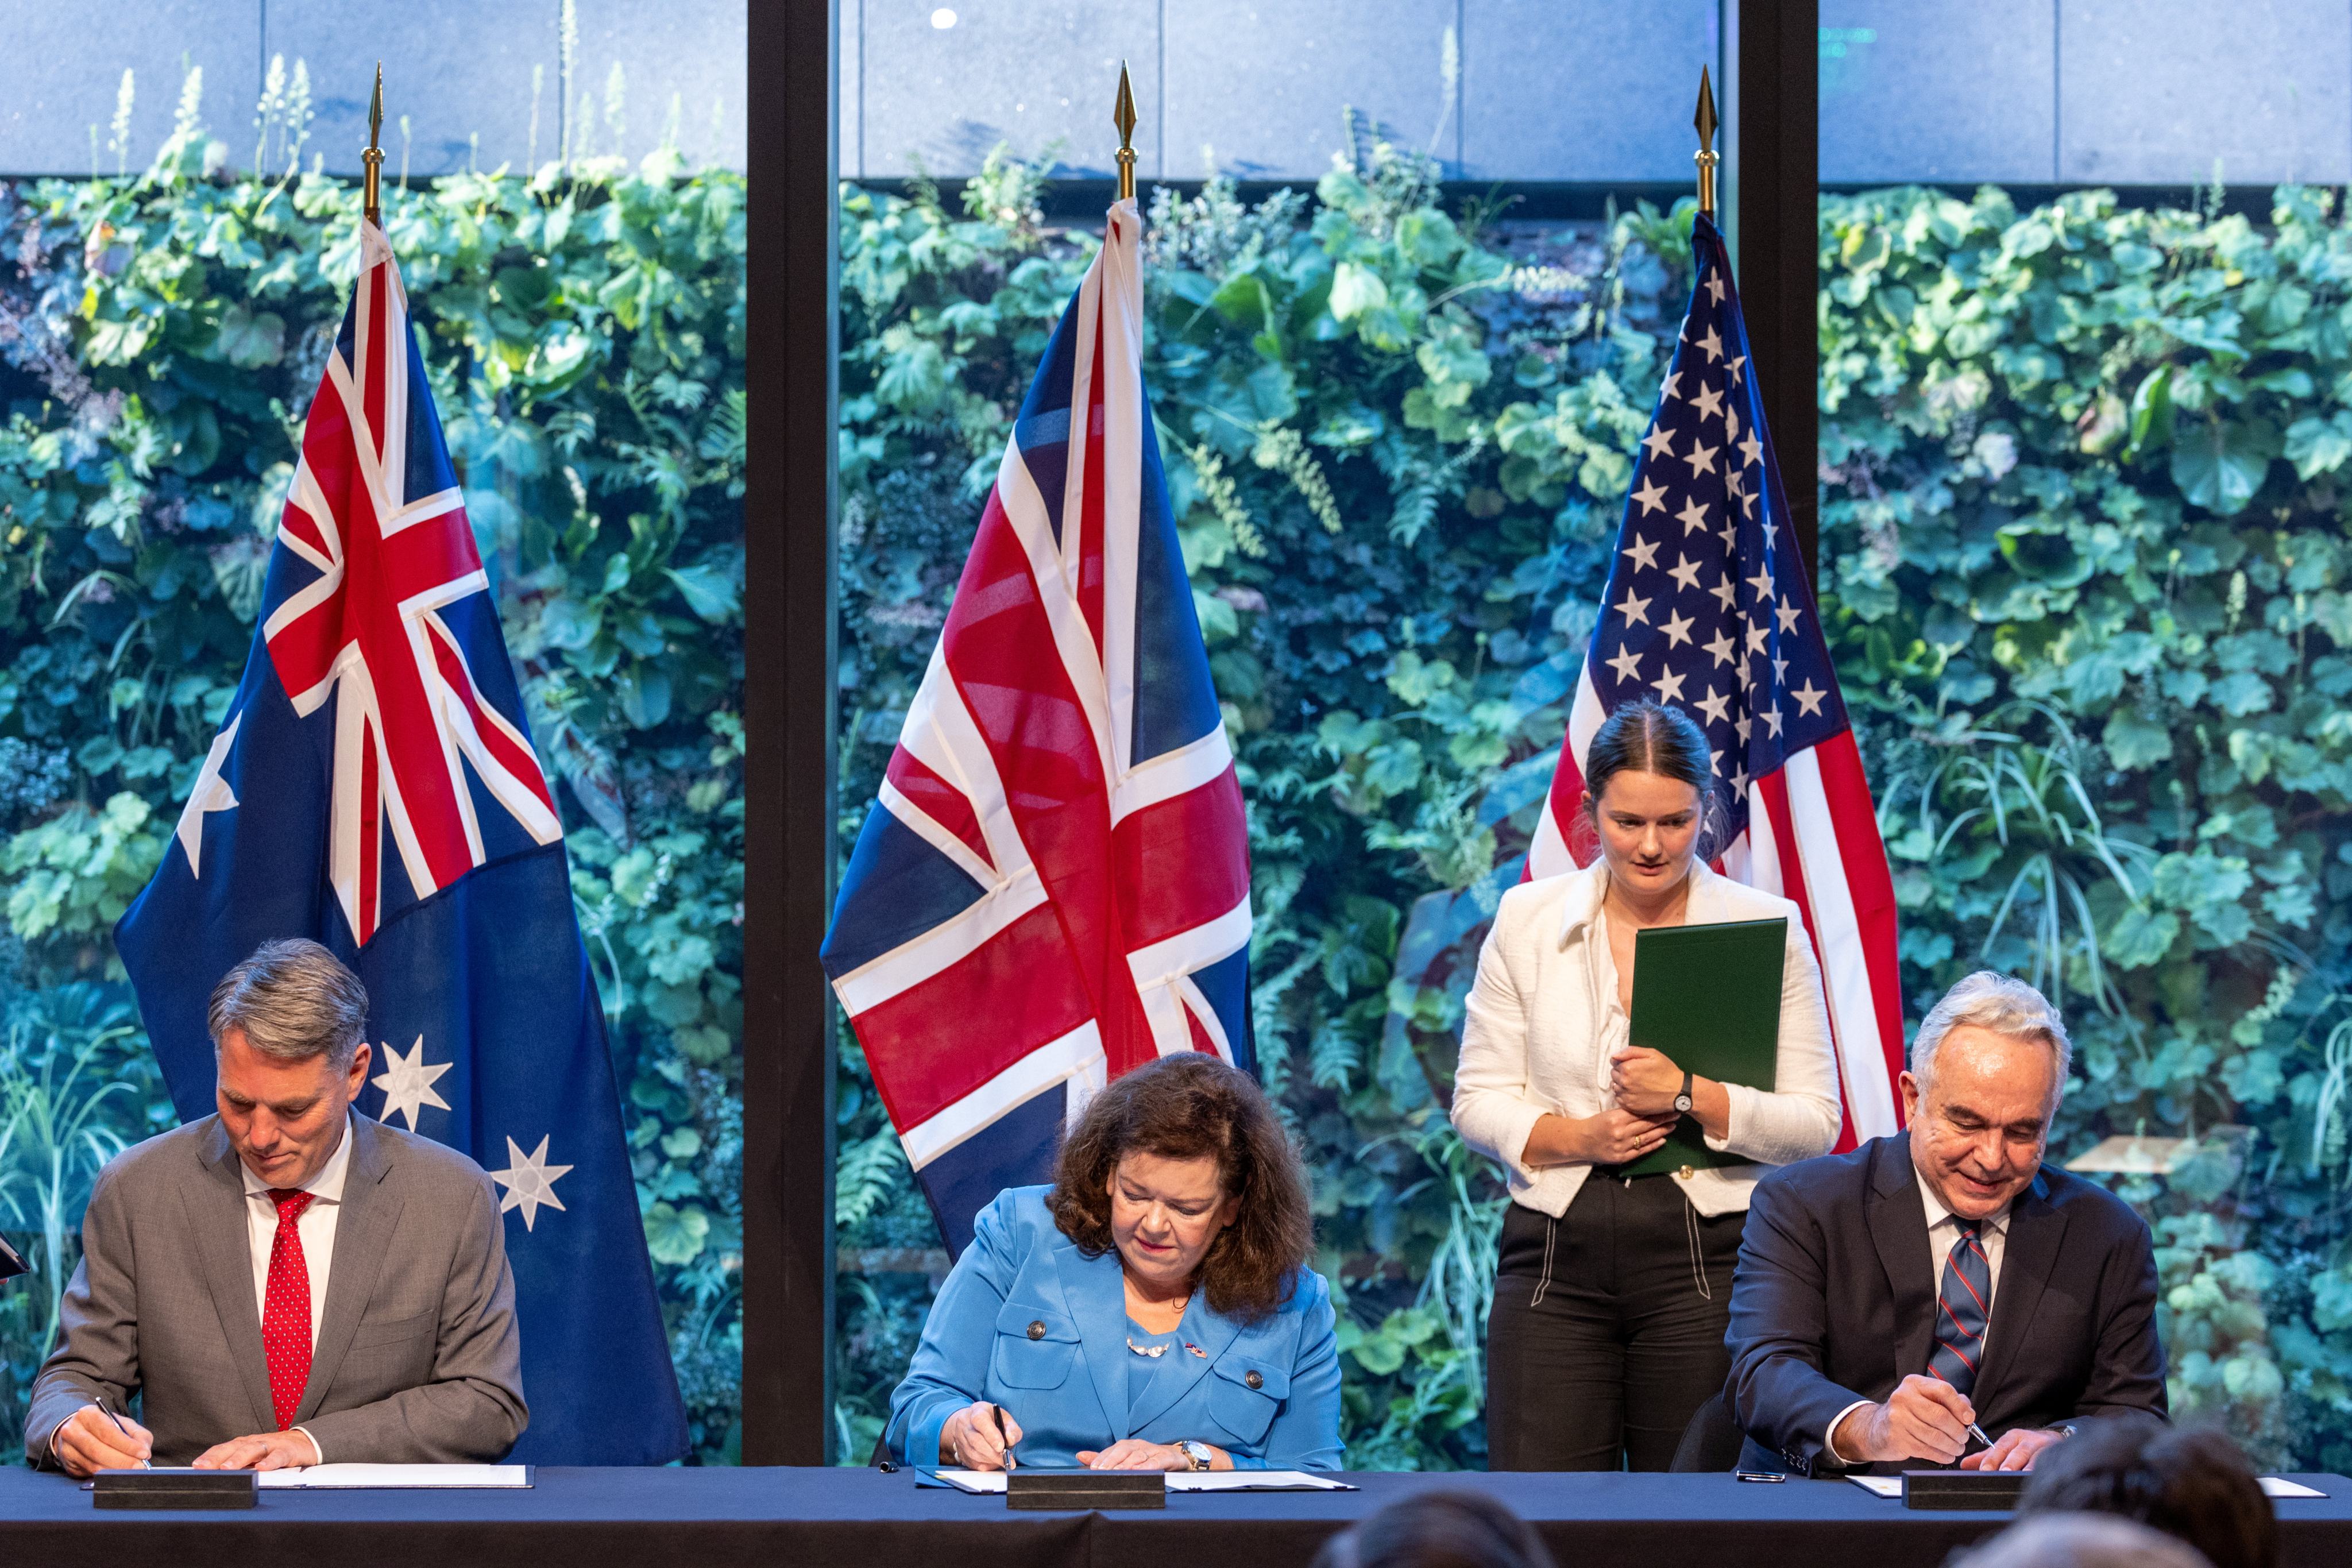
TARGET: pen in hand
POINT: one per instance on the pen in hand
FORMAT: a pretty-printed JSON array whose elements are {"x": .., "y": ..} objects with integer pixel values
[
  {"x": 1978, "y": 1434},
  {"x": 119, "y": 1427},
  {"x": 998, "y": 1412}
]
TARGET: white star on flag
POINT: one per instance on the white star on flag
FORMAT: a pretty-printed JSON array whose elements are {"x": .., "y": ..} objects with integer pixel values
[
  {"x": 1710, "y": 402},
  {"x": 211, "y": 793},
  {"x": 1634, "y": 609},
  {"x": 1677, "y": 629},
  {"x": 1627, "y": 664},
  {"x": 1693, "y": 516},
  {"x": 407, "y": 1084},
  {"x": 1653, "y": 496},
  {"x": 1684, "y": 572},
  {"x": 1713, "y": 345},
  {"x": 1642, "y": 551},
  {"x": 1660, "y": 444},
  {"x": 1809, "y": 696},
  {"x": 1700, "y": 456},
  {"x": 1669, "y": 686},
  {"x": 530, "y": 1182}
]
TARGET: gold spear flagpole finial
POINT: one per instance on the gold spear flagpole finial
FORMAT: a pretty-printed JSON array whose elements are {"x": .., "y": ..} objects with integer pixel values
[
  {"x": 1706, "y": 157},
  {"x": 373, "y": 157},
  {"x": 1122, "y": 114}
]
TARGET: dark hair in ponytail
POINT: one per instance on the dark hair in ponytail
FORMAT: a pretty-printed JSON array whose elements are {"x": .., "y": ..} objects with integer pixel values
[{"x": 1648, "y": 737}]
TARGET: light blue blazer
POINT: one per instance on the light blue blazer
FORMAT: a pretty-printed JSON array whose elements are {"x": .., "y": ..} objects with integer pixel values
[{"x": 1028, "y": 1322}]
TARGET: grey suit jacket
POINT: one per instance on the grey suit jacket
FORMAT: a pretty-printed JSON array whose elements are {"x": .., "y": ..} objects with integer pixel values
[{"x": 418, "y": 1359}]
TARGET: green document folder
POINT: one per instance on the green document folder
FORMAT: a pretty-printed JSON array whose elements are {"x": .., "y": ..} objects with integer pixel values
[{"x": 1709, "y": 997}]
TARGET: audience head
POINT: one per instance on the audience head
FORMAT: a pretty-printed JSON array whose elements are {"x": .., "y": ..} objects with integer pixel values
[
  {"x": 288, "y": 1057},
  {"x": 2079, "y": 1541},
  {"x": 1986, "y": 1068},
  {"x": 1184, "y": 1169},
  {"x": 2191, "y": 1482},
  {"x": 1649, "y": 796},
  {"x": 1438, "y": 1530}
]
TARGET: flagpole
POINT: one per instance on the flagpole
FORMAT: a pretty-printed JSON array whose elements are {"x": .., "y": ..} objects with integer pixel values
[
  {"x": 1706, "y": 157},
  {"x": 1122, "y": 114},
  {"x": 373, "y": 156}
]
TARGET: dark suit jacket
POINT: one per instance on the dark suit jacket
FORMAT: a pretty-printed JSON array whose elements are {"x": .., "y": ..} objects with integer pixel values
[
  {"x": 1835, "y": 1300},
  {"x": 418, "y": 1360}
]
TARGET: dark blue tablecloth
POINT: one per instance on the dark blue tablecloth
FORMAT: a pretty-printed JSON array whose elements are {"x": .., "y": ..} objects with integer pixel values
[{"x": 863, "y": 1518}]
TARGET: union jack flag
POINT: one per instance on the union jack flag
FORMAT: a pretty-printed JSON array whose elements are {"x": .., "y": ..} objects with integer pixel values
[
  {"x": 1707, "y": 608},
  {"x": 1054, "y": 884},
  {"x": 374, "y": 788}
]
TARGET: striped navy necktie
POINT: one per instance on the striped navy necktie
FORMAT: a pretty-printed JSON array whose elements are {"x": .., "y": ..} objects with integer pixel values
[{"x": 1962, "y": 1308}]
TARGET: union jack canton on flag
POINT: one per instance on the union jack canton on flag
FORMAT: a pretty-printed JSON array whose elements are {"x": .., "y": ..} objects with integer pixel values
[
  {"x": 1707, "y": 609},
  {"x": 1054, "y": 886},
  {"x": 374, "y": 788}
]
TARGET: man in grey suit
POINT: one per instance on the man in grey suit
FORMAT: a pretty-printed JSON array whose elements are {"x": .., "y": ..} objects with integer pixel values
[{"x": 286, "y": 1282}]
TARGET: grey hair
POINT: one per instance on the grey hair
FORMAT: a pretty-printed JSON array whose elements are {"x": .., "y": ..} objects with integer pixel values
[
  {"x": 2006, "y": 1006},
  {"x": 292, "y": 1000}
]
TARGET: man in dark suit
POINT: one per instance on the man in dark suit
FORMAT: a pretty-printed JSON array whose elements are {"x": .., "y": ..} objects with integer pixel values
[{"x": 1888, "y": 1298}]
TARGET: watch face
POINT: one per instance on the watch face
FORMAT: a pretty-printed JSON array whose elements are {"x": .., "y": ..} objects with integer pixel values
[{"x": 1682, "y": 1103}]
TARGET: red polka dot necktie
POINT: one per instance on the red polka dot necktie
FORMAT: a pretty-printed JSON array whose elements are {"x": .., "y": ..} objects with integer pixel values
[{"x": 285, "y": 1310}]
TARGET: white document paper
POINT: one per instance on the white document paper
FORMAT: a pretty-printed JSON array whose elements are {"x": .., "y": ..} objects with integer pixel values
[
  {"x": 993, "y": 1481},
  {"x": 2279, "y": 1486},
  {"x": 2272, "y": 1486},
  {"x": 344, "y": 1478}
]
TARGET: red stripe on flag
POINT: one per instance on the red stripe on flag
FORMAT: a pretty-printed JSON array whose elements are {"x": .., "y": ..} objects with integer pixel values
[
  {"x": 1001, "y": 652},
  {"x": 934, "y": 1043},
  {"x": 938, "y": 800},
  {"x": 1871, "y": 885},
  {"x": 1164, "y": 862},
  {"x": 370, "y": 830},
  {"x": 372, "y": 374},
  {"x": 1091, "y": 509},
  {"x": 1773, "y": 790},
  {"x": 511, "y": 757}
]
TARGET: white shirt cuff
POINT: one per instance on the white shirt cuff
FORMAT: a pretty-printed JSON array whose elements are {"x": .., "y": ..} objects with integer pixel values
[
  {"x": 314, "y": 1445},
  {"x": 1829, "y": 1437}
]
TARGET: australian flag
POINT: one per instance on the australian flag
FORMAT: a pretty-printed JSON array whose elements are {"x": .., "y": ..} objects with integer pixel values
[
  {"x": 1054, "y": 884},
  {"x": 374, "y": 788}
]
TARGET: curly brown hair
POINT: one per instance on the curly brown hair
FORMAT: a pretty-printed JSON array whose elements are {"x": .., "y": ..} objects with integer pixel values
[{"x": 1184, "y": 1106}]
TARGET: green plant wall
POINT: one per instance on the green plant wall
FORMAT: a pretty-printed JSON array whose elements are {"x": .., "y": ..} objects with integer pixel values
[{"x": 2082, "y": 546}]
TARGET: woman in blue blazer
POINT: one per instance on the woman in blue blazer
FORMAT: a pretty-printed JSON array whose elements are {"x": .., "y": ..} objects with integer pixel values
[{"x": 1151, "y": 1309}]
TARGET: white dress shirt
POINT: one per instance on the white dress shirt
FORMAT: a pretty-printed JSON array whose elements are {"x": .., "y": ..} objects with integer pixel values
[
  {"x": 1543, "y": 1016},
  {"x": 316, "y": 1227},
  {"x": 1943, "y": 1230}
]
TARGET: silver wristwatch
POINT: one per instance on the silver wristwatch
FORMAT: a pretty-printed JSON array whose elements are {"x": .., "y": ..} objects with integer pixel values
[
  {"x": 1683, "y": 1100},
  {"x": 1198, "y": 1454}
]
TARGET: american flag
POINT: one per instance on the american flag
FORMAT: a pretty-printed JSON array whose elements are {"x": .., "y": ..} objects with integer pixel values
[
  {"x": 1707, "y": 609},
  {"x": 1054, "y": 884},
  {"x": 374, "y": 788}
]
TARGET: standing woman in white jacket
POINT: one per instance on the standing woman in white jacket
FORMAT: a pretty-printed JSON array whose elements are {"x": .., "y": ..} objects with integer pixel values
[{"x": 1612, "y": 1293}]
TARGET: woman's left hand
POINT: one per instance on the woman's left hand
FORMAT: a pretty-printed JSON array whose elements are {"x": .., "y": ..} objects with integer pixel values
[
  {"x": 1135, "y": 1454},
  {"x": 1645, "y": 1081}
]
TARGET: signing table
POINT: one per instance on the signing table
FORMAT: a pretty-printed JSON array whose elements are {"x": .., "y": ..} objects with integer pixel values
[{"x": 864, "y": 1519}]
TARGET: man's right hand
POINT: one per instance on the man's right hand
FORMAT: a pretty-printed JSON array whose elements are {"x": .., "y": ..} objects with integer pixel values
[
  {"x": 88, "y": 1440},
  {"x": 1924, "y": 1418}
]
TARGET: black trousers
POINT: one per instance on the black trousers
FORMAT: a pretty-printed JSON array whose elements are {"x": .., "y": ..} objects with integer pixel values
[{"x": 1606, "y": 1332}]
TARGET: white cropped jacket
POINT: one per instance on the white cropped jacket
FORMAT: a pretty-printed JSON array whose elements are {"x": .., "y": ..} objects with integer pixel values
[{"x": 1532, "y": 1041}]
